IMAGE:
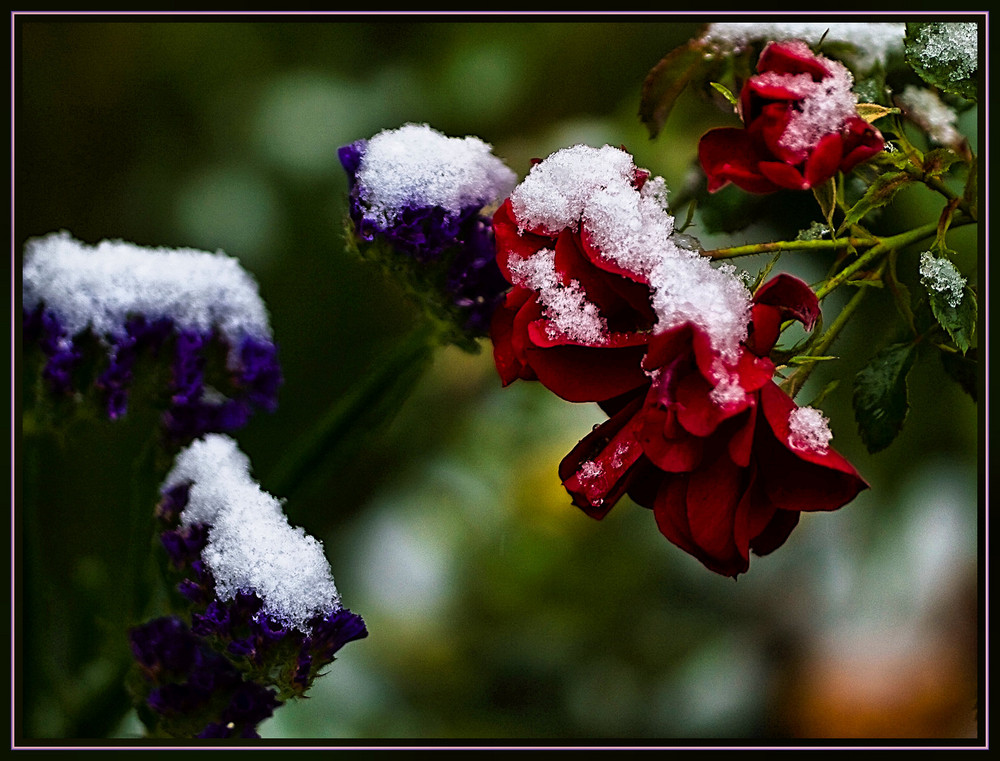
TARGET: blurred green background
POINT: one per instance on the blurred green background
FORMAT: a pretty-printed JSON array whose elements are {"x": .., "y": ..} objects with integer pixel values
[{"x": 495, "y": 608}]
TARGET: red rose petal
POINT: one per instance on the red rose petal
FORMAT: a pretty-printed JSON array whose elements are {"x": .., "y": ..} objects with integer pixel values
[
  {"x": 797, "y": 479},
  {"x": 752, "y": 516},
  {"x": 792, "y": 297},
  {"x": 727, "y": 155},
  {"x": 824, "y": 160},
  {"x": 776, "y": 532},
  {"x": 713, "y": 495},
  {"x": 783, "y": 175},
  {"x": 507, "y": 359},
  {"x": 667, "y": 447},
  {"x": 596, "y": 472},
  {"x": 509, "y": 242},
  {"x": 741, "y": 443},
  {"x": 791, "y": 57},
  {"x": 586, "y": 374},
  {"x": 670, "y": 511}
]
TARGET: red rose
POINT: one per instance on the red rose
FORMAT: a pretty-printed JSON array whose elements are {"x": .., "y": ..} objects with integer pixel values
[
  {"x": 575, "y": 321},
  {"x": 801, "y": 126},
  {"x": 722, "y": 455}
]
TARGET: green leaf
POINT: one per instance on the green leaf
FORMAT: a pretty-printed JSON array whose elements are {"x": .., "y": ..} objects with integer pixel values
[
  {"x": 826, "y": 197},
  {"x": 807, "y": 359},
  {"x": 726, "y": 93},
  {"x": 666, "y": 81},
  {"x": 872, "y": 111},
  {"x": 938, "y": 161},
  {"x": 960, "y": 320},
  {"x": 880, "y": 395},
  {"x": 879, "y": 194},
  {"x": 964, "y": 370},
  {"x": 941, "y": 52}
]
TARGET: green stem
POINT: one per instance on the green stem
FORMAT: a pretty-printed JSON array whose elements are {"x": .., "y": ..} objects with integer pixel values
[
  {"x": 364, "y": 407},
  {"x": 884, "y": 246},
  {"x": 789, "y": 245},
  {"x": 795, "y": 382}
]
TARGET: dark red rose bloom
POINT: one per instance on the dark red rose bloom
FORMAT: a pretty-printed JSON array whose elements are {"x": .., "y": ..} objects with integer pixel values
[
  {"x": 716, "y": 449},
  {"x": 596, "y": 358},
  {"x": 801, "y": 126}
]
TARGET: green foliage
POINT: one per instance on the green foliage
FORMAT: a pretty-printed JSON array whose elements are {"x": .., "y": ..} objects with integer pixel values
[
  {"x": 726, "y": 93},
  {"x": 669, "y": 78},
  {"x": 959, "y": 320},
  {"x": 932, "y": 49},
  {"x": 963, "y": 369},
  {"x": 880, "y": 395},
  {"x": 826, "y": 197},
  {"x": 878, "y": 194}
]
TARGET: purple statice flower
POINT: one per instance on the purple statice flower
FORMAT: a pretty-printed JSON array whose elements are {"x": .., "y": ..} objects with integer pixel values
[
  {"x": 422, "y": 196},
  {"x": 191, "y": 690},
  {"x": 134, "y": 302},
  {"x": 259, "y": 594}
]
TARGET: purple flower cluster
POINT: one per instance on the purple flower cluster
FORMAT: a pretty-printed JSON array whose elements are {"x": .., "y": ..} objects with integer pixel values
[
  {"x": 233, "y": 664},
  {"x": 185, "y": 681},
  {"x": 439, "y": 241},
  {"x": 191, "y": 408}
]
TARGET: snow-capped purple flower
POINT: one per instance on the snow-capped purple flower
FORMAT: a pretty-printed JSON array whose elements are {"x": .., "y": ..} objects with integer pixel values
[
  {"x": 423, "y": 196},
  {"x": 260, "y": 594},
  {"x": 136, "y": 303}
]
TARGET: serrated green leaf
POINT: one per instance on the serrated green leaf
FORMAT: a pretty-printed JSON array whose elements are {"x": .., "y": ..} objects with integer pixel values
[
  {"x": 879, "y": 194},
  {"x": 940, "y": 51},
  {"x": 964, "y": 370},
  {"x": 939, "y": 160},
  {"x": 880, "y": 395},
  {"x": 893, "y": 158},
  {"x": 666, "y": 81},
  {"x": 960, "y": 320}
]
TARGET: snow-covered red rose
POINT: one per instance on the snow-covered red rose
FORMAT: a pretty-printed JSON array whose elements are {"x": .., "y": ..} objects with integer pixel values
[
  {"x": 800, "y": 125},
  {"x": 610, "y": 305}
]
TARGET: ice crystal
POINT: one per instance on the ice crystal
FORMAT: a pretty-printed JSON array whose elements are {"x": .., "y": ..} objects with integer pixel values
[
  {"x": 569, "y": 313},
  {"x": 953, "y": 46},
  {"x": 940, "y": 275},
  {"x": 809, "y": 430}
]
